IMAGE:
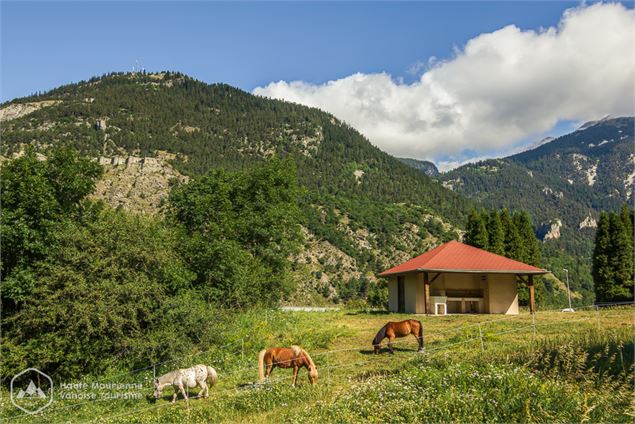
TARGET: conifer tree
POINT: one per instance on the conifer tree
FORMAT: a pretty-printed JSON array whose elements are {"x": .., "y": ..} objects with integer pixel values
[
  {"x": 512, "y": 237},
  {"x": 496, "y": 243},
  {"x": 621, "y": 257},
  {"x": 602, "y": 272},
  {"x": 528, "y": 243},
  {"x": 627, "y": 220},
  {"x": 476, "y": 234}
]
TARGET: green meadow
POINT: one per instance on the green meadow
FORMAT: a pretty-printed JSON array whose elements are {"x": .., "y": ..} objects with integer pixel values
[{"x": 554, "y": 367}]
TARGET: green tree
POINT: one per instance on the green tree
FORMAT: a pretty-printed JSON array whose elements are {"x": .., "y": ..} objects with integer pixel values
[
  {"x": 528, "y": 245},
  {"x": 621, "y": 257},
  {"x": 602, "y": 270},
  {"x": 108, "y": 291},
  {"x": 496, "y": 242},
  {"x": 241, "y": 229},
  {"x": 36, "y": 196},
  {"x": 512, "y": 237},
  {"x": 476, "y": 231}
]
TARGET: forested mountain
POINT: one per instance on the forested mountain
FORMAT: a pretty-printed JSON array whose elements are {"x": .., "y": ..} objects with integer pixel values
[
  {"x": 563, "y": 184},
  {"x": 362, "y": 208}
]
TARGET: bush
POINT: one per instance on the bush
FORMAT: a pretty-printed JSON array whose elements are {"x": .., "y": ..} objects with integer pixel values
[{"x": 101, "y": 292}]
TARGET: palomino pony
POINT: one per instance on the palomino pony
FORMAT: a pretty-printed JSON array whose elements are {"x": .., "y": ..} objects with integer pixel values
[
  {"x": 284, "y": 357},
  {"x": 198, "y": 375},
  {"x": 393, "y": 330}
]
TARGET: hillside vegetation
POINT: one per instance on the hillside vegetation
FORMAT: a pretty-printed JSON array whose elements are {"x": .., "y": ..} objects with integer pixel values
[{"x": 365, "y": 209}]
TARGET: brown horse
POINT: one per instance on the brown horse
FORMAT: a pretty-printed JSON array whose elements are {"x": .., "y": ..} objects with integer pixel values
[
  {"x": 294, "y": 357},
  {"x": 393, "y": 330}
]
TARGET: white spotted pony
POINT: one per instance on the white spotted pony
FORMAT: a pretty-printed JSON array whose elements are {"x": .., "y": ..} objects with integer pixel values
[{"x": 198, "y": 375}]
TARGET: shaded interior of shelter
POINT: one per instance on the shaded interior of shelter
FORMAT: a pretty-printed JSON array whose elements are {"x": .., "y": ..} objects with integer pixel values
[{"x": 455, "y": 293}]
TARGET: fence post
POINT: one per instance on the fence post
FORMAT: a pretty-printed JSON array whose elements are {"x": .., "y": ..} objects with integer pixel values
[
  {"x": 480, "y": 333},
  {"x": 328, "y": 368},
  {"x": 533, "y": 324}
]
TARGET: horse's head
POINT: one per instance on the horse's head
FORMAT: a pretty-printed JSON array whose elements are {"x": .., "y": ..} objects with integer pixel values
[
  {"x": 376, "y": 348},
  {"x": 158, "y": 390},
  {"x": 313, "y": 375},
  {"x": 381, "y": 335}
]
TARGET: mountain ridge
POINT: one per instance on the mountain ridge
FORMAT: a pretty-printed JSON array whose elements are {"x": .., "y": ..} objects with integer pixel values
[
  {"x": 366, "y": 204},
  {"x": 563, "y": 184}
]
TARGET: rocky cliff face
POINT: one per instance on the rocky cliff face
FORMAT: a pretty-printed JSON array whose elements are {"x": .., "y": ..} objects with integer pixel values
[
  {"x": 427, "y": 167},
  {"x": 137, "y": 184},
  {"x": 18, "y": 110}
]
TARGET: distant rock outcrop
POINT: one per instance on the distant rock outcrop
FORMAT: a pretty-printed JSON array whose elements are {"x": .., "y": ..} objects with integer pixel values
[
  {"x": 551, "y": 231},
  {"x": 427, "y": 167},
  {"x": 588, "y": 222}
]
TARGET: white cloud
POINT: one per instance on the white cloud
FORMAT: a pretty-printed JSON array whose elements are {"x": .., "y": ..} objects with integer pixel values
[{"x": 501, "y": 88}]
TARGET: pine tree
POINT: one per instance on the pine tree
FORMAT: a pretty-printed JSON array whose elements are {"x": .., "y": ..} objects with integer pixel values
[
  {"x": 627, "y": 220},
  {"x": 512, "y": 237},
  {"x": 621, "y": 257},
  {"x": 496, "y": 234},
  {"x": 528, "y": 243},
  {"x": 602, "y": 272},
  {"x": 476, "y": 234}
]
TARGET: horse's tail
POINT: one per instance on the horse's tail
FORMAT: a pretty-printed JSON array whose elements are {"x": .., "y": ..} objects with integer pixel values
[
  {"x": 420, "y": 335},
  {"x": 212, "y": 376},
  {"x": 261, "y": 364}
]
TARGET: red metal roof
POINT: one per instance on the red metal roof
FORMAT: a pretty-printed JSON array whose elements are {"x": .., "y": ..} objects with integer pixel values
[{"x": 455, "y": 256}]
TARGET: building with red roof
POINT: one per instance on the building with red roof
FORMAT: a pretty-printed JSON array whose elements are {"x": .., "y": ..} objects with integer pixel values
[{"x": 458, "y": 278}]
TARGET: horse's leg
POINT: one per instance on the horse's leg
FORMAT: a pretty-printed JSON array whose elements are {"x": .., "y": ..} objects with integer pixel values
[
  {"x": 295, "y": 374},
  {"x": 175, "y": 394},
  {"x": 391, "y": 339},
  {"x": 268, "y": 370},
  {"x": 204, "y": 389},
  {"x": 420, "y": 340},
  {"x": 182, "y": 390}
]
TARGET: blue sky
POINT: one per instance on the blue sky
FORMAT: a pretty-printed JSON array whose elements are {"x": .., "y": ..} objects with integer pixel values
[
  {"x": 243, "y": 44},
  {"x": 249, "y": 45}
]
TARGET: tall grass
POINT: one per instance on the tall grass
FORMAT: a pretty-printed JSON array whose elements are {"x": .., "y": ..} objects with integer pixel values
[
  {"x": 561, "y": 379},
  {"x": 597, "y": 355}
]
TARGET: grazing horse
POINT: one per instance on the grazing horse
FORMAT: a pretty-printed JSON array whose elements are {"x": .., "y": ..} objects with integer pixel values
[
  {"x": 393, "y": 330},
  {"x": 198, "y": 375},
  {"x": 284, "y": 357}
]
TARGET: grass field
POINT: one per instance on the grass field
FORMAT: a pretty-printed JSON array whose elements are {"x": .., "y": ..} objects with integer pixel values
[{"x": 556, "y": 367}]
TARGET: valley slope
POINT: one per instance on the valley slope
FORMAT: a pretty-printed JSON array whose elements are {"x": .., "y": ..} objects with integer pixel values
[
  {"x": 563, "y": 184},
  {"x": 363, "y": 209}
]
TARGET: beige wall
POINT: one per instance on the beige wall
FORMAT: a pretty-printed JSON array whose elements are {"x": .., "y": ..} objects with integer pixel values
[
  {"x": 411, "y": 290},
  {"x": 503, "y": 296},
  {"x": 392, "y": 294}
]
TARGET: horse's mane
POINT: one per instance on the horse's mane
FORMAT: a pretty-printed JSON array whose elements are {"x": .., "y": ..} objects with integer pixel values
[
  {"x": 381, "y": 335},
  {"x": 169, "y": 377},
  {"x": 297, "y": 351}
]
